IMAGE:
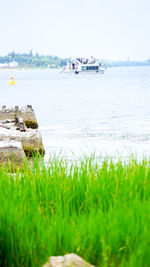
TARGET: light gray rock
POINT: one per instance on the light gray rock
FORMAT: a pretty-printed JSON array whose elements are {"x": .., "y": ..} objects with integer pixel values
[
  {"x": 26, "y": 113},
  {"x": 30, "y": 139},
  {"x": 11, "y": 150},
  {"x": 21, "y": 125},
  {"x": 69, "y": 260}
]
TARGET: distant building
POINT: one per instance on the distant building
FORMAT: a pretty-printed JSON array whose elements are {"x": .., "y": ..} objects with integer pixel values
[
  {"x": 13, "y": 65},
  {"x": 3, "y": 65},
  {"x": 10, "y": 65}
]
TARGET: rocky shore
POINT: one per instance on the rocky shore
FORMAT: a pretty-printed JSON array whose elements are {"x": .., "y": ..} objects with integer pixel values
[{"x": 19, "y": 134}]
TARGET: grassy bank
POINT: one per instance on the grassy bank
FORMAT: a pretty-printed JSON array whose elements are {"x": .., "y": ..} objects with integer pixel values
[{"x": 101, "y": 211}]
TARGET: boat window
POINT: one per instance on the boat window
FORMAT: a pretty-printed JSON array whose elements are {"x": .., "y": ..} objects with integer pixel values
[{"x": 89, "y": 67}]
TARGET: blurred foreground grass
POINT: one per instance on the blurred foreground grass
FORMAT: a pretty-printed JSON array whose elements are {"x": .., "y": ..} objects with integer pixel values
[{"x": 97, "y": 209}]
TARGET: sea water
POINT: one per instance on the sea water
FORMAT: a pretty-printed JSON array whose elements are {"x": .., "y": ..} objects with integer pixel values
[{"x": 106, "y": 114}]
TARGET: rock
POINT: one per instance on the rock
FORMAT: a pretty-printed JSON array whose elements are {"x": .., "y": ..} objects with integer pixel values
[
  {"x": 13, "y": 128},
  {"x": 20, "y": 124},
  {"x": 11, "y": 150},
  {"x": 26, "y": 113},
  {"x": 31, "y": 140},
  {"x": 69, "y": 260}
]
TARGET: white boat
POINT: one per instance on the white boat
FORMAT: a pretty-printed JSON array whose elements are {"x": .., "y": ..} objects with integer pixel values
[{"x": 84, "y": 65}]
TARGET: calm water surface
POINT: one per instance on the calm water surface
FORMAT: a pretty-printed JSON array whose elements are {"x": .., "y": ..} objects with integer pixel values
[{"x": 107, "y": 114}]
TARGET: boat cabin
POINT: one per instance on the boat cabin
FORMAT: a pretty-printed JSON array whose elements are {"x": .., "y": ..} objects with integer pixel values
[{"x": 88, "y": 68}]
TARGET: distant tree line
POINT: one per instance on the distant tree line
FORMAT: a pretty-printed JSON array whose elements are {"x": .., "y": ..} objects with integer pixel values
[
  {"x": 34, "y": 60},
  {"x": 30, "y": 60},
  {"x": 126, "y": 63}
]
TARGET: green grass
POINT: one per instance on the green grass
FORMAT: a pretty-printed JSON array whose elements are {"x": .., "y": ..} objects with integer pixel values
[{"x": 97, "y": 209}]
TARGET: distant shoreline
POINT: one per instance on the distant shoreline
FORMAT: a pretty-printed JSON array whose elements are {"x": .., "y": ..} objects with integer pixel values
[
  {"x": 32, "y": 68},
  {"x": 38, "y": 68},
  {"x": 36, "y": 61}
]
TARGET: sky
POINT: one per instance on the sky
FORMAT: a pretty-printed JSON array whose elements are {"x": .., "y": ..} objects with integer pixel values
[{"x": 107, "y": 29}]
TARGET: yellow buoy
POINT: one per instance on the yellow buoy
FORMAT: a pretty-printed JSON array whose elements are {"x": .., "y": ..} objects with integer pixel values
[{"x": 12, "y": 81}]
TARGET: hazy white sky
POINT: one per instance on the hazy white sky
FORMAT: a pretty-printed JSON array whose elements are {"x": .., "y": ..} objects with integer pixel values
[{"x": 112, "y": 29}]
